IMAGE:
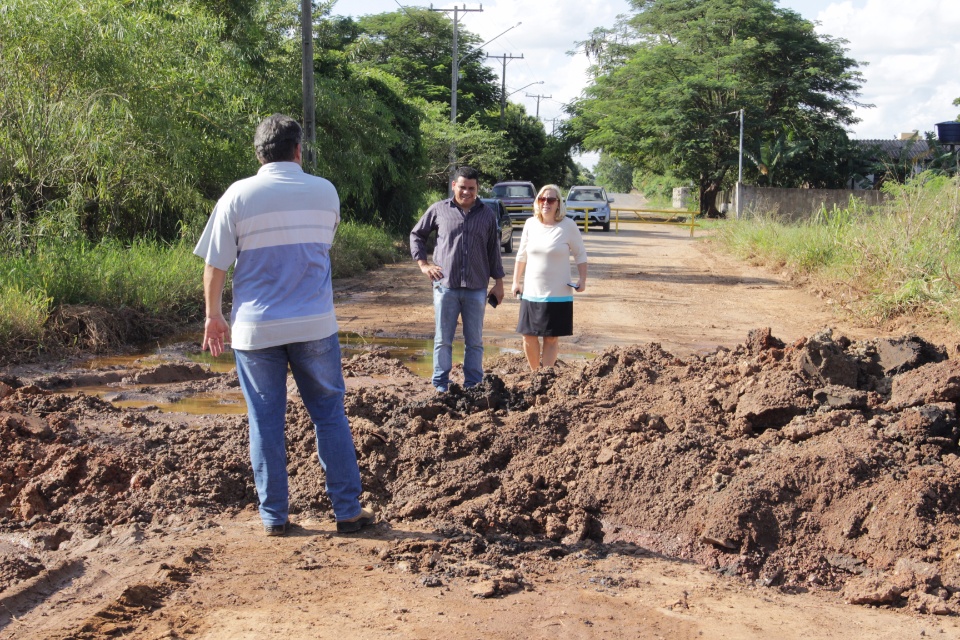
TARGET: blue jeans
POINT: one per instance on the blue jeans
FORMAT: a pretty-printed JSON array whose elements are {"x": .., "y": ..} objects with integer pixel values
[
  {"x": 317, "y": 371},
  {"x": 448, "y": 305}
]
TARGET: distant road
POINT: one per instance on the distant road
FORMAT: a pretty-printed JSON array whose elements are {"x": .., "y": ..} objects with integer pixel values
[
  {"x": 647, "y": 283},
  {"x": 628, "y": 200}
]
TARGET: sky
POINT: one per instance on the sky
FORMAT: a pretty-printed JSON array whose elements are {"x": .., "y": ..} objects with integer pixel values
[{"x": 911, "y": 50}]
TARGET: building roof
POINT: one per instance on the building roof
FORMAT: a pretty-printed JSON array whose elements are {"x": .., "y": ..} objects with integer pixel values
[{"x": 915, "y": 149}]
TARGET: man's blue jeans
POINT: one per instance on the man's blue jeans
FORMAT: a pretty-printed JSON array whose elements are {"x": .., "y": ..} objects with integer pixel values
[
  {"x": 448, "y": 305},
  {"x": 317, "y": 371}
]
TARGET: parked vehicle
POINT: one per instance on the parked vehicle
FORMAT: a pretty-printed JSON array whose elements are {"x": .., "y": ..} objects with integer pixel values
[
  {"x": 589, "y": 201},
  {"x": 504, "y": 222},
  {"x": 517, "y": 197}
]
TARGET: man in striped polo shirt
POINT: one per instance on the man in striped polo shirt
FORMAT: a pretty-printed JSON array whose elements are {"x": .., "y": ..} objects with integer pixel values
[
  {"x": 467, "y": 255},
  {"x": 276, "y": 229}
]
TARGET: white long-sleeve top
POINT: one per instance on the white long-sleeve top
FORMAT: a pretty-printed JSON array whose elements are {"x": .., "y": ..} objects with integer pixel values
[{"x": 546, "y": 250}]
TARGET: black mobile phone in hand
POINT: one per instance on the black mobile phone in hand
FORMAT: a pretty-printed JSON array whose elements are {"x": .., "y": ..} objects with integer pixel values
[{"x": 492, "y": 299}]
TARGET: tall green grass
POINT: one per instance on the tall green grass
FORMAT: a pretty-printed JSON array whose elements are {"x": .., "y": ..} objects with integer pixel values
[
  {"x": 901, "y": 257},
  {"x": 22, "y": 317},
  {"x": 360, "y": 247},
  {"x": 157, "y": 280}
]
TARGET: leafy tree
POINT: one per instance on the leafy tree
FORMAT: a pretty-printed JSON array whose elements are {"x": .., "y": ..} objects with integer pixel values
[
  {"x": 122, "y": 119},
  {"x": 125, "y": 119},
  {"x": 613, "y": 174},
  {"x": 833, "y": 161},
  {"x": 579, "y": 174},
  {"x": 773, "y": 155},
  {"x": 416, "y": 46},
  {"x": 115, "y": 120},
  {"x": 559, "y": 167},
  {"x": 368, "y": 128},
  {"x": 484, "y": 150},
  {"x": 669, "y": 81},
  {"x": 534, "y": 155}
]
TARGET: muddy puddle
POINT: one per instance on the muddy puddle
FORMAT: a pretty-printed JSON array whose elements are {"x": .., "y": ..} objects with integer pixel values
[{"x": 116, "y": 379}]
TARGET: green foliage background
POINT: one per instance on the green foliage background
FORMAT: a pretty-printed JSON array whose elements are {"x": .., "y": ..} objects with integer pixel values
[
  {"x": 121, "y": 123},
  {"x": 126, "y": 119}
]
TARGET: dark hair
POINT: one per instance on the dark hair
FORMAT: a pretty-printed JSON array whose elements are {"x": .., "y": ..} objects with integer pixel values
[
  {"x": 277, "y": 138},
  {"x": 467, "y": 173}
]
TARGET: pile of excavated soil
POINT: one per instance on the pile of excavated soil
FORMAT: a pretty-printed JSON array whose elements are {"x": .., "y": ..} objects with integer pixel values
[{"x": 825, "y": 464}]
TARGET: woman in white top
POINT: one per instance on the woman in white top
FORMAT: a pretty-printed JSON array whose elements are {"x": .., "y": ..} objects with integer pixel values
[{"x": 541, "y": 277}]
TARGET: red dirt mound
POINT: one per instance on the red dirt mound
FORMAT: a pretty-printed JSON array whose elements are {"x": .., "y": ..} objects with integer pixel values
[{"x": 823, "y": 464}]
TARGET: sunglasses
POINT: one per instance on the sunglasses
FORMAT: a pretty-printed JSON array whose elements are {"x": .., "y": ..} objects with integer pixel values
[{"x": 547, "y": 199}]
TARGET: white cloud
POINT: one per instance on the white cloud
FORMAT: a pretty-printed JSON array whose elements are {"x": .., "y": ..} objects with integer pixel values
[
  {"x": 912, "y": 54},
  {"x": 549, "y": 29}
]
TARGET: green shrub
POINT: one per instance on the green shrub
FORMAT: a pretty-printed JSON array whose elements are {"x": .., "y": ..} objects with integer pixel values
[{"x": 22, "y": 317}]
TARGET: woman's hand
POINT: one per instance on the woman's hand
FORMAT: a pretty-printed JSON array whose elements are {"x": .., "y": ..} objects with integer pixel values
[
  {"x": 517, "y": 290},
  {"x": 581, "y": 286}
]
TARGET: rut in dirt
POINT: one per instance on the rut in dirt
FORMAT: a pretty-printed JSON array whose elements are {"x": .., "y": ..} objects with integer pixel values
[{"x": 824, "y": 464}]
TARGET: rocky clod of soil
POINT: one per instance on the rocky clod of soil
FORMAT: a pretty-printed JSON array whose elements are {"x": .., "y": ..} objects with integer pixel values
[{"x": 824, "y": 464}]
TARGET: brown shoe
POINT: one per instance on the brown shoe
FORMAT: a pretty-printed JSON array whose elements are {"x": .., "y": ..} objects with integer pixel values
[{"x": 363, "y": 519}]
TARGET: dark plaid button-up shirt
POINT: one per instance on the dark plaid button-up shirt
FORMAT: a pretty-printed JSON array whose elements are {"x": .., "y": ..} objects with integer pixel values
[{"x": 468, "y": 244}]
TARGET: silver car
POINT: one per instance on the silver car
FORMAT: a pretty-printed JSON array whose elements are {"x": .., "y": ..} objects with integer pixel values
[{"x": 589, "y": 201}]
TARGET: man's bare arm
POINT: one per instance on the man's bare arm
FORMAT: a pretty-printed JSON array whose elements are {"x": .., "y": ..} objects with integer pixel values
[{"x": 216, "y": 329}]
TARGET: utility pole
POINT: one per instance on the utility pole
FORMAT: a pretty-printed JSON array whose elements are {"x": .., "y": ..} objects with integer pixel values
[
  {"x": 503, "y": 81},
  {"x": 308, "y": 149},
  {"x": 739, "y": 207},
  {"x": 553, "y": 124},
  {"x": 454, "y": 76},
  {"x": 538, "y": 101}
]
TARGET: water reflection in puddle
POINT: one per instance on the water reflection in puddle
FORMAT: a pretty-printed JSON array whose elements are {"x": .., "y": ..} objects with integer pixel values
[
  {"x": 415, "y": 353},
  {"x": 203, "y": 403}
]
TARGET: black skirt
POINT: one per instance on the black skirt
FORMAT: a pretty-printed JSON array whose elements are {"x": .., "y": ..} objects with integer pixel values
[{"x": 545, "y": 318}]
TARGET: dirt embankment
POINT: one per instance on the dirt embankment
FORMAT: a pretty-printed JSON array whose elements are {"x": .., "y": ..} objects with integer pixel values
[{"x": 827, "y": 464}]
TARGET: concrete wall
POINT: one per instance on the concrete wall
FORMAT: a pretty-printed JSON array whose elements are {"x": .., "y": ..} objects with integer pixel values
[
  {"x": 684, "y": 197},
  {"x": 798, "y": 204}
]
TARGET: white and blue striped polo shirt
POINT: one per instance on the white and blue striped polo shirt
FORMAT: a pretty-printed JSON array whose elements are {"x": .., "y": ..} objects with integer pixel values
[{"x": 276, "y": 228}]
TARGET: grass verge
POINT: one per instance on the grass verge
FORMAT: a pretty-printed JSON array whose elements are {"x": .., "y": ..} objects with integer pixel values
[
  {"x": 901, "y": 257},
  {"x": 94, "y": 297}
]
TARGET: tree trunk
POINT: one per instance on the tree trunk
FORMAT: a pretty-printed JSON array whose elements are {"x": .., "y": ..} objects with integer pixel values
[{"x": 708, "y": 199}]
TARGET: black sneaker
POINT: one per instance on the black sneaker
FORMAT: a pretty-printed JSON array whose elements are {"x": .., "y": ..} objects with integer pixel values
[
  {"x": 277, "y": 529},
  {"x": 365, "y": 518}
]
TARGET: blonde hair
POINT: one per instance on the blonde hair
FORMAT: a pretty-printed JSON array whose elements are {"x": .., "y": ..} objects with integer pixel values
[{"x": 561, "y": 207}]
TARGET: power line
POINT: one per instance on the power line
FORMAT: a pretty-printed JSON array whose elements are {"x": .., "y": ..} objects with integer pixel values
[
  {"x": 507, "y": 57},
  {"x": 308, "y": 86},
  {"x": 553, "y": 123},
  {"x": 538, "y": 97},
  {"x": 455, "y": 71}
]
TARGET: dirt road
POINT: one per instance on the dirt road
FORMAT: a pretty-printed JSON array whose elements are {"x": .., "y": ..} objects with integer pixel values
[
  {"x": 646, "y": 283},
  {"x": 677, "y": 493}
]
